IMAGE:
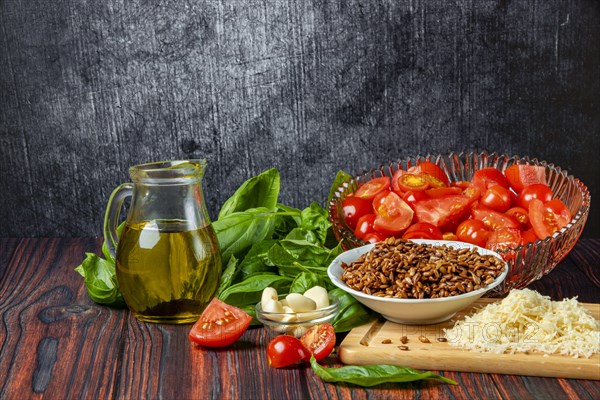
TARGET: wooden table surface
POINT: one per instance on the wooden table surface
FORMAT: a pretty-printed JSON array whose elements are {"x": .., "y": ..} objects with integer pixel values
[{"x": 56, "y": 343}]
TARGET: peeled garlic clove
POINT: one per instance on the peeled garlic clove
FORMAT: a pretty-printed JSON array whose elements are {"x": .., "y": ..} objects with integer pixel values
[
  {"x": 290, "y": 315},
  {"x": 300, "y": 303},
  {"x": 268, "y": 293},
  {"x": 273, "y": 306},
  {"x": 319, "y": 295}
]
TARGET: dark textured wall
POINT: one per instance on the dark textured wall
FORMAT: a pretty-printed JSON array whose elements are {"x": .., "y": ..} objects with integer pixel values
[{"x": 88, "y": 88}]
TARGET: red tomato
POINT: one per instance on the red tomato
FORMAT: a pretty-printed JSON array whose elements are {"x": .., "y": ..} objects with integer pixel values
[
  {"x": 534, "y": 191},
  {"x": 411, "y": 196},
  {"x": 461, "y": 184},
  {"x": 286, "y": 350},
  {"x": 473, "y": 231},
  {"x": 487, "y": 177},
  {"x": 355, "y": 207},
  {"x": 374, "y": 237},
  {"x": 497, "y": 198},
  {"x": 559, "y": 208},
  {"x": 364, "y": 226},
  {"x": 521, "y": 215},
  {"x": 397, "y": 175},
  {"x": 423, "y": 230},
  {"x": 445, "y": 212},
  {"x": 219, "y": 325},
  {"x": 521, "y": 175},
  {"x": 494, "y": 220},
  {"x": 437, "y": 192},
  {"x": 440, "y": 178},
  {"x": 543, "y": 219},
  {"x": 373, "y": 187},
  {"x": 504, "y": 238},
  {"x": 393, "y": 215},
  {"x": 413, "y": 182},
  {"x": 449, "y": 236},
  {"x": 472, "y": 192},
  {"x": 528, "y": 236},
  {"x": 319, "y": 340}
]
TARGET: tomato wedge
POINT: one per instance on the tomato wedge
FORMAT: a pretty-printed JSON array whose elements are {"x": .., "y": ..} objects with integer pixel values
[
  {"x": 521, "y": 215},
  {"x": 393, "y": 215},
  {"x": 494, "y": 220},
  {"x": 373, "y": 187},
  {"x": 444, "y": 212},
  {"x": 504, "y": 238},
  {"x": 219, "y": 325},
  {"x": 544, "y": 220},
  {"x": 319, "y": 340},
  {"x": 487, "y": 177},
  {"x": 285, "y": 350},
  {"x": 521, "y": 175}
]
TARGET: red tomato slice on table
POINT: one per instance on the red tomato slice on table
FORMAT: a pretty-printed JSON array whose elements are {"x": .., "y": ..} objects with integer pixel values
[
  {"x": 445, "y": 212},
  {"x": 521, "y": 175},
  {"x": 219, "y": 325},
  {"x": 494, "y": 220},
  {"x": 504, "y": 238},
  {"x": 373, "y": 187},
  {"x": 538, "y": 191},
  {"x": 355, "y": 207},
  {"x": 285, "y": 350},
  {"x": 487, "y": 177},
  {"x": 423, "y": 230},
  {"x": 473, "y": 231},
  {"x": 393, "y": 215},
  {"x": 319, "y": 340},
  {"x": 543, "y": 219}
]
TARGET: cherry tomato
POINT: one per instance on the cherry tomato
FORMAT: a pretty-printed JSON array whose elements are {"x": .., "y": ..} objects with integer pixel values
[
  {"x": 473, "y": 231},
  {"x": 449, "y": 236},
  {"x": 319, "y": 340},
  {"x": 504, "y": 238},
  {"x": 374, "y": 237},
  {"x": 487, "y": 177},
  {"x": 286, "y": 350},
  {"x": 528, "y": 236},
  {"x": 497, "y": 198},
  {"x": 494, "y": 220},
  {"x": 472, "y": 192},
  {"x": 439, "y": 177},
  {"x": 423, "y": 230},
  {"x": 414, "y": 182},
  {"x": 521, "y": 175},
  {"x": 355, "y": 207},
  {"x": 395, "y": 187},
  {"x": 371, "y": 188},
  {"x": 437, "y": 192},
  {"x": 461, "y": 184},
  {"x": 412, "y": 196},
  {"x": 445, "y": 212},
  {"x": 393, "y": 215},
  {"x": 543, "y": 219},
  {"x": 219, "y": 325},
  {"x": 521, "y": 215},
  {"x": 364, "y": 226},
  {"x": 534, "y": 191},
  {"x": 559, "y": 208}
]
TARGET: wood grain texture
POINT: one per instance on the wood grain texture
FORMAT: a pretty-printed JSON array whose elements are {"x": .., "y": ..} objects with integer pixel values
[{"x": 56, "y": 343}]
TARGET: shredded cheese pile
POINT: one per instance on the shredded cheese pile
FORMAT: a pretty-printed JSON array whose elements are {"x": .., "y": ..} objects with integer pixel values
[{"x": 526, "y": 321}]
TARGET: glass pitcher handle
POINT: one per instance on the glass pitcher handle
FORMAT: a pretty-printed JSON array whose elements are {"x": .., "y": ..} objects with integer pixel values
[{"x": 112, "y": 214}]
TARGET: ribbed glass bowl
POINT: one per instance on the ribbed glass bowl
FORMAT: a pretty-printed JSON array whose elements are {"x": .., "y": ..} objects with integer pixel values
[{"x": 526, "y": 263}]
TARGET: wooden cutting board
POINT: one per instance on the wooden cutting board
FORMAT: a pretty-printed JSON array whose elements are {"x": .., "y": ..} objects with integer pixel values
[{"x": 363, "y": 345}]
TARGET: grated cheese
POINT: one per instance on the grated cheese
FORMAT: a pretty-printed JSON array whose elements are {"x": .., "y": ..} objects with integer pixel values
[{"x": 527, "y": 321}]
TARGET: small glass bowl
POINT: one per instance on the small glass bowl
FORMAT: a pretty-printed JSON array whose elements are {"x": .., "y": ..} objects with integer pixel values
[
  {"x": 526, "y": 263},
  {"x": 296, "y": 324}
]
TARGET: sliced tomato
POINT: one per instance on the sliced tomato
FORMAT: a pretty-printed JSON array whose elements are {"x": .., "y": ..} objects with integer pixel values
[
  {"x": 412, "y": 196},
  {"x": 319, "y": 340},
  {"x": 355, "y": 207},
  {"x": 285, "y": 350},
  {"x": 543, "y": 219},
  {"x": 393, "y": 215},
  {"x": 373, "y": 187},
  {"x": 497, "y": 198},
  {"x": 487, "y": 177},
  {"x": 439, "y": 177},
  {"x": 445, "y": 212},
  {"x": 472, "y": 192},
  {"x": 414, "y": 182},
  {"x": 461, "y": 184},
  {"x": 559, "y": 208},
  {"x": 521, "y": 215},
  {"x": 219, "y": 325},
  {"x": 364, "y": 226},
  {"x": 494, "y": 220},
  {"x": 423, "y": 230},
  {"x": 473, "y": 231},
  {"x": 437, "y": 192},
  {"x": 397, "y": 175},
  {"x": 521, "y": 175},
  {"x": 504, "y": 238},
  {"x": 538, "y": 191}
]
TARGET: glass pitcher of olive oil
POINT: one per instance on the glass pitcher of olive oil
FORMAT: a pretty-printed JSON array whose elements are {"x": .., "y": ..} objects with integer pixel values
[{"x": 168, "y": 260}]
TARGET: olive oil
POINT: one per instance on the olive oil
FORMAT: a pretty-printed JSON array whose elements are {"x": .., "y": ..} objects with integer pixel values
[{"x": 168, "y": 273}]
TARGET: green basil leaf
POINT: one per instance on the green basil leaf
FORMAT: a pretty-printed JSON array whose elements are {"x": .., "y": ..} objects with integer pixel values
[
  {"x": 371, "y": 375},
  {"x": 305, "y": 281},
  {"x": 249, "y": 291},
  {"x": 303, "y": 234},
  {"x": 101, "y": 281},
  {"x": 289, "y": 219},
  {"x": 256, "y": 260},
  {"x": 315, "y": 218},
  {"x": 259, "y": 191},
  {"x": 228, "y": 275},
  {"x": 340, "y": 178},
  {"x": 351, "y": 313}
]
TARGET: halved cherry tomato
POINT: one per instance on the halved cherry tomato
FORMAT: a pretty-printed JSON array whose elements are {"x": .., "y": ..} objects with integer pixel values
[
  {"x": 472, "y": 192},
  {"x": 414, "y": 182},
  {"x": 543, "y": 219},
  {"x": 440, "y": 179},
  {"x": 473, "y": 231},
  {"x": 370, "y": 189},
  {"x": 422, "y": 230},
  {"x": 534, "y": 191},
  {"x": 395, "y": 187},
  {"x": 286, "y": 350},
  {"x": 437, "y": 192},
  {"x": 487, "y": 177},
  {"x": 319, "y": 340},
  {"x": 494, "y": 220},
  {"x": 219, "y": 325},
  {"x": 364, "y": 226},
  {"x": 521, "y": 175},
  {"x": 497, "y": 198},
  {"x": 461, "y": 184},
  {"x": 559, "y": 208},
  {"x": 445, "y": 212},
  {"x": 355, "y": 207},
  {"x": 374, "y": 237},
  {"x": 504, "y": 238},
  {"x": 449, "y": 236},
  {"x": 393, "y": 215},
  {"x": 521, "y": 215},
  {"x": 411, "y": 196}
]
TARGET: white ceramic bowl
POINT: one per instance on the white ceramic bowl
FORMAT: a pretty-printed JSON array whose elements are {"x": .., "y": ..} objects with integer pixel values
[{"x": 412, "y": 311}]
